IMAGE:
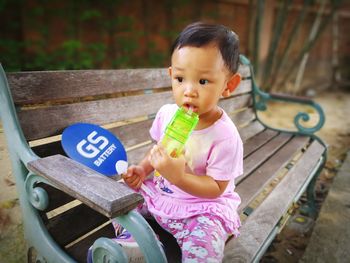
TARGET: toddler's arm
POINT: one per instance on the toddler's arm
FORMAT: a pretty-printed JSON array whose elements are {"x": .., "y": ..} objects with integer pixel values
[{"x": 173, "y": 169}]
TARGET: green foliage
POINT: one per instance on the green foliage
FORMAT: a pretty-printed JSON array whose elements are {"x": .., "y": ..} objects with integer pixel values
[
  {"x": 154, "y": 55},
  {"x": 90, "y": 14},
  {"x": 85, "y": 34},
  {"x": 10, "y": 50},
  {"x": 72, "y": 54}
]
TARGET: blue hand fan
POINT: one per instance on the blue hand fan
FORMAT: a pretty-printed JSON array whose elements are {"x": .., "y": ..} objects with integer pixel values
[{"x": 95, "y": 147}]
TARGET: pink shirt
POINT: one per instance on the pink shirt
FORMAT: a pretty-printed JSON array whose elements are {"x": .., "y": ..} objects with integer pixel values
[{"x": 216, "y": 151}]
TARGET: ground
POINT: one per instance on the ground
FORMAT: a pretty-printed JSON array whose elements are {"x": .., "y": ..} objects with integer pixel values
[
  {"x": 288, "y": 246},
  {"x": 291, "y": 243}
]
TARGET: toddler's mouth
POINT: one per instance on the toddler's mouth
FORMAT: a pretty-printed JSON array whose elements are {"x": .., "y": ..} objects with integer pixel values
[{"x": 188, "y": 107}]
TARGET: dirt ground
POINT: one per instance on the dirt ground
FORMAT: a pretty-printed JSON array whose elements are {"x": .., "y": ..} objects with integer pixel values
[
  {"x": 291, "y": 242},
  {"x": 288, "y": 246}
]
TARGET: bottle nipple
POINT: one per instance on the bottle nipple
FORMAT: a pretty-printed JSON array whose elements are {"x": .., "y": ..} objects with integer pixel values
[{"x": 190, "y": 110}]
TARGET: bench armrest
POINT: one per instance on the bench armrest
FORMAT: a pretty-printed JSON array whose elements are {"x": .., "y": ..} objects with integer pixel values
[
  {"x": 260, "y": 99},
  {"x": 301, "y": 118},
  {"x": 290, "y": 98},
  {"x": 97, "y": 191}
]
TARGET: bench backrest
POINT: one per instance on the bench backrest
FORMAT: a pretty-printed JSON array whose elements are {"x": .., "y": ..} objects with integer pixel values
[{"x": 123, "y": 101}]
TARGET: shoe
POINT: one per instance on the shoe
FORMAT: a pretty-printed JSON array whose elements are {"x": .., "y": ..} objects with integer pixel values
[
  {"x": 118, "y": 229},
  {"x": 130, "y": 246}
]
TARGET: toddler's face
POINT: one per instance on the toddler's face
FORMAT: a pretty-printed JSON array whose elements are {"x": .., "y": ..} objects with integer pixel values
[{"x": 199, "y": 78}]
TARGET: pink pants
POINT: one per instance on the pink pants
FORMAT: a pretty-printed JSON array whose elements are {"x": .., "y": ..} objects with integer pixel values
[{"x": 201, "y": 238}]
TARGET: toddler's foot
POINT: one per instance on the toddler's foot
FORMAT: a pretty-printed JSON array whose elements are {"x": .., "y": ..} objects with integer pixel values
[
  {"x": 118, "y": 229},
  {"x": 130, "y": 246}
]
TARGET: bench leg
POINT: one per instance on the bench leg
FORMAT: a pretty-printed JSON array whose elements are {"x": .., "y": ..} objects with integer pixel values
[
  {"x": 309, "y": 208},
  {"x": 41, "y": 246},
  {"x": 107, "y": 250}
]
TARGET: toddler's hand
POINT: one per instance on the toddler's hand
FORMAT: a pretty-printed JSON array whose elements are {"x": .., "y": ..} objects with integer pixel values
[
  {"x": 170, "y": 168},
  {"x": 134, "y": 176}
]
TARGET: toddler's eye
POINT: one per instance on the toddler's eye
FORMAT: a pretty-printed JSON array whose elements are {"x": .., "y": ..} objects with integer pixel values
[
  {"x": 179, "y": 79},
  {"x": 203, "y": 81}
]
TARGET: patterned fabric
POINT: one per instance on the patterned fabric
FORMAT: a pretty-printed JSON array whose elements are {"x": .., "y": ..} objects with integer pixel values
[{"x": 201, "y": 238}]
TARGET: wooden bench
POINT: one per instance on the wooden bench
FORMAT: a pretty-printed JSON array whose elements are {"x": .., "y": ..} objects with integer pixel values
[{"x": 67, "y": 207}]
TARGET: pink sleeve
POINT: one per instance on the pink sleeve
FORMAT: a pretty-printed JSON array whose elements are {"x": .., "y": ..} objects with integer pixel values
[
  {"x": 156, "y": 128},
  {"x": 158, "y": 125},
  {"x": 162, "y": 118},
  {"x": 225, "y": 160}
]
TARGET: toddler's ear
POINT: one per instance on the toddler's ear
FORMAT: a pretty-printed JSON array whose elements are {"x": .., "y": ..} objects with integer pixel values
[
  {"x": 169, "y": 71},
  {"x": 232, "y": 84}
]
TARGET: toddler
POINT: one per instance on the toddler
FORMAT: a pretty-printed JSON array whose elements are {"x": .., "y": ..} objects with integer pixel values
[{"x": 194, "y": 198}]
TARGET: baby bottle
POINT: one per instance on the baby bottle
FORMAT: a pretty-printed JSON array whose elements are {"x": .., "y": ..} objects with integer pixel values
[{"x": 178, "y": 131}]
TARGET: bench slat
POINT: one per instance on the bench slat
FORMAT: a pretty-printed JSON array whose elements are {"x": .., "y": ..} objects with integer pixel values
[
  {"x": 252, "y": 186},
  {"x": 57, "y": 198},
  {"x": 133, "y": 134},
  {"x": 250, "y": 130},
  {"x": 79, "y": 250},
  {"x": 244, "y": 87},
  {"x": 42, "y": 86},
  {"x": 50, "y": 121},
  {"x": 242, "y": 117},
  {"x": 135, "y": 156},
  {"x": 74, "y": 223},
  {"x": 259, "y": 225},
  {"x": 257, "y": 141},
  {"x": 49, "y": 149},
  {"x": 262, "y": 154},
  {"x": 101, "y": 193},
  {"x": 235, "y": 103}
]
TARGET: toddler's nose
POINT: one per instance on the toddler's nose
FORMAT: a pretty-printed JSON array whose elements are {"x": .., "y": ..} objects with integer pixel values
[{"x": 190, "y": 90}]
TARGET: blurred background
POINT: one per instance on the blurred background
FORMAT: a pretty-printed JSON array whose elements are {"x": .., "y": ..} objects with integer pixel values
[{"x": 294, "y": 45}]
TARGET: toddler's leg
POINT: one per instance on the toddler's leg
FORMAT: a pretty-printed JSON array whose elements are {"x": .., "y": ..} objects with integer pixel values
[
  {"x": 206, "y": 241},
  {"x": 201, "y": 238}
]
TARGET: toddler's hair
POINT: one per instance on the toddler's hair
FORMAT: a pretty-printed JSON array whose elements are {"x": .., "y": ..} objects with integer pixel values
[{"x": 200, "y": 34}]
